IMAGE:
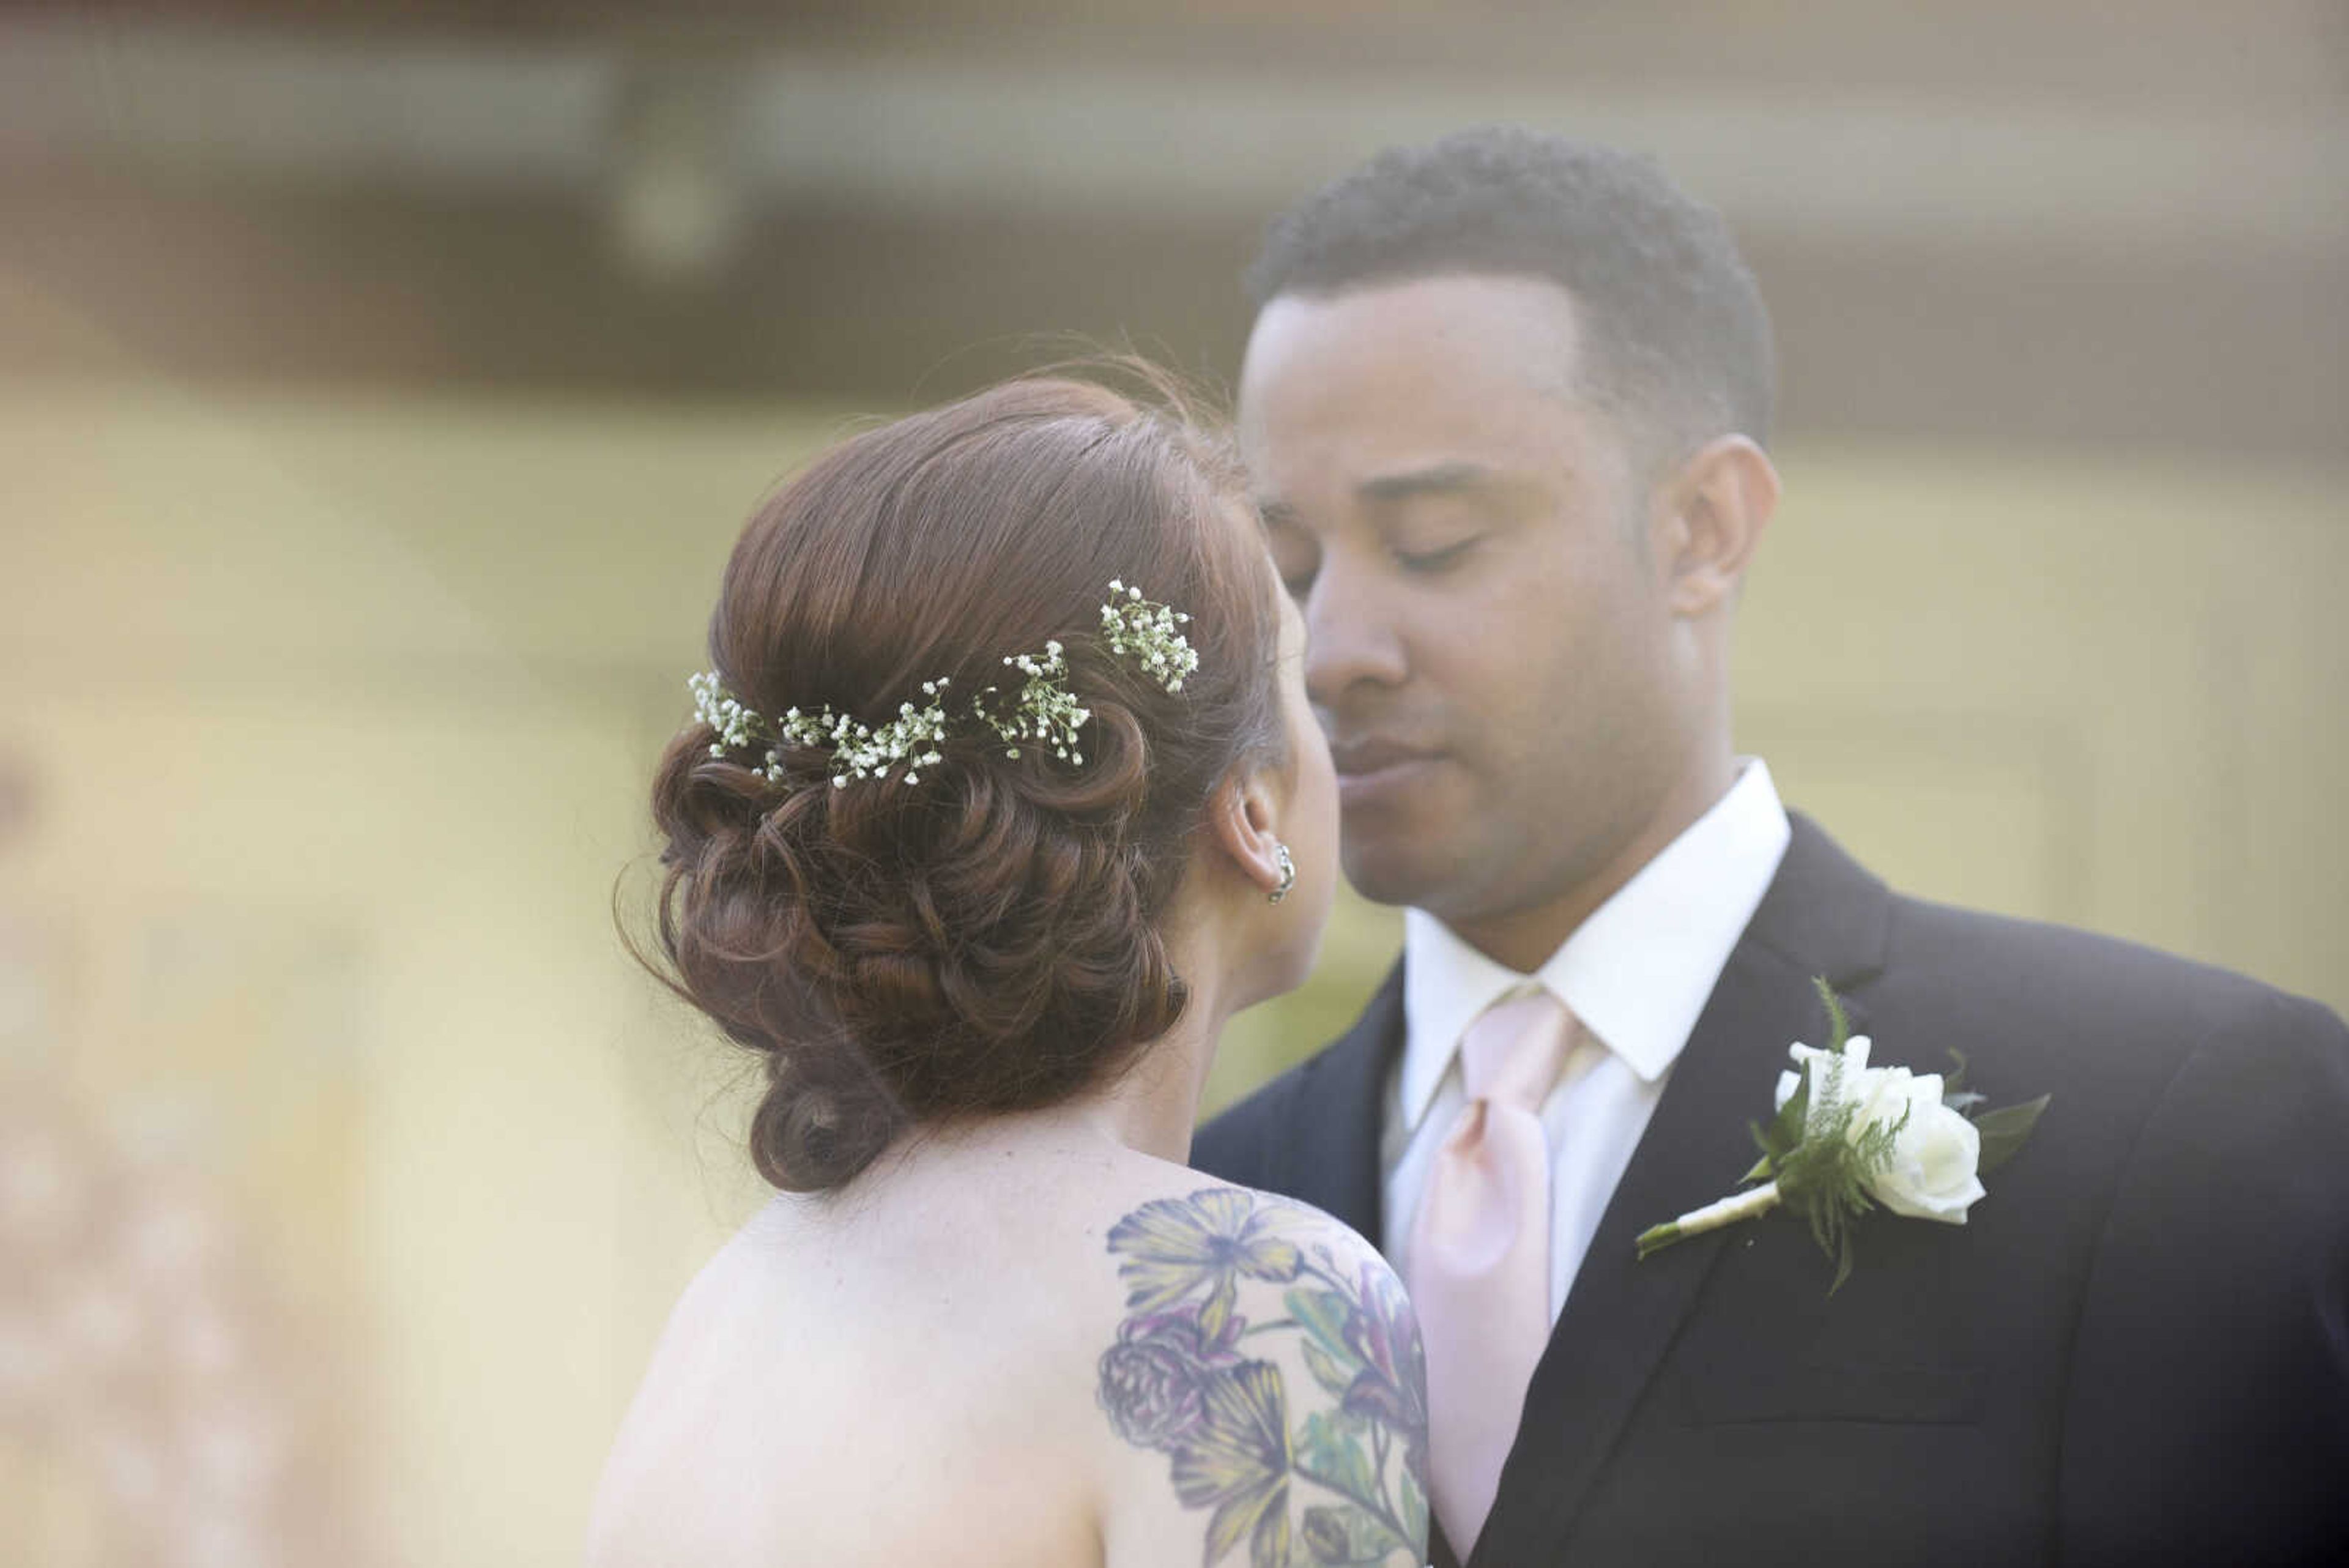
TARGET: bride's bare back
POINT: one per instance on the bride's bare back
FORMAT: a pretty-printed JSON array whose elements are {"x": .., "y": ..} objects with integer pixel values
[{"x": 1019, "y": 1350}]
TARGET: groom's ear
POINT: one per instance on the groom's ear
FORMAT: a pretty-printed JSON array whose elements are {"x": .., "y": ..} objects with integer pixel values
[
  {"x": 1243, "y": 815},
  {"x": 1715, "y": 510}
]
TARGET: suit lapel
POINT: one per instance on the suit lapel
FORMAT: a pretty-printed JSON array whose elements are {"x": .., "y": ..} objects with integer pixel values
[
  {"x": 1329, "y": 1157},
  {"x": 1823, "y": 915}
]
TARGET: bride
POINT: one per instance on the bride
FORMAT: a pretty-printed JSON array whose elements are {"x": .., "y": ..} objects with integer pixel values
[{"x": 1003, "y": 797}]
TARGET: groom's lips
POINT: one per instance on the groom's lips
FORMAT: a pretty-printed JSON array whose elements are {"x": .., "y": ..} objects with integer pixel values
[{"x": 1370, "y": 772}]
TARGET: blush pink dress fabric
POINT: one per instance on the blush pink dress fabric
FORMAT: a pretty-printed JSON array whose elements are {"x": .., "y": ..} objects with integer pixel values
[{"x": 1480, "y": 1256}]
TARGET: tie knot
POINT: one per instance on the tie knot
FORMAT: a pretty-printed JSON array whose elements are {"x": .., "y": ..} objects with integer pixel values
[{"x": 1513, "y": 1053}]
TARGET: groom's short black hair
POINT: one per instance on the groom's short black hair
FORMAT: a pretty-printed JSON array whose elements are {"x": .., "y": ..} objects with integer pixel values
[{"x": 1678, "y": 338}]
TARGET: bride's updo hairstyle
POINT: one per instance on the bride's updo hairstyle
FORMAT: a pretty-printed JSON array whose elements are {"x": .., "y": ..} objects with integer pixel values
[{"x": 989, "y": 938}]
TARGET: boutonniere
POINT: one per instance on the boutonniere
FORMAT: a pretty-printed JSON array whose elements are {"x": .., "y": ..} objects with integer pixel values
[{"x": 1848, "y": 1137}]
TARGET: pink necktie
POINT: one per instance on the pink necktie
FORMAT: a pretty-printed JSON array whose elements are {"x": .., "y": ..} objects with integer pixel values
[{"x": 1480, "y": 1257}]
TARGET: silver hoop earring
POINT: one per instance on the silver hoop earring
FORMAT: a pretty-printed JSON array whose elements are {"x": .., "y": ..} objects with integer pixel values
[{"x": 1288, "y": 873}]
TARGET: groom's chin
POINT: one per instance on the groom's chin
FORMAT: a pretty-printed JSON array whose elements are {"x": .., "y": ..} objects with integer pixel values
[
  {"x": 1396, "y": 866},
  {"x": 1409, "y": 836}
]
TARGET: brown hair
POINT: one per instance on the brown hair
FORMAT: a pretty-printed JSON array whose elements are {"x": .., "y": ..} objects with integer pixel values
[{"x": 989, "y": 939}]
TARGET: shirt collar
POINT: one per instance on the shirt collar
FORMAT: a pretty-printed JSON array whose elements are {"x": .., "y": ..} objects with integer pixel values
[{"x": 1637, "y": 973}]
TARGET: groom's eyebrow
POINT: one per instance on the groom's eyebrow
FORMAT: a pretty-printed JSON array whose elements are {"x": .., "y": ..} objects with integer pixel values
[
  {"x": 1452, "y": 477},
  {"x": 1436, "y": 479}
]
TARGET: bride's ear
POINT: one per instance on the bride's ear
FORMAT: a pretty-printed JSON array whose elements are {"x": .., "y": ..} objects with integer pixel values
[{"x": 1242, "y": 818}]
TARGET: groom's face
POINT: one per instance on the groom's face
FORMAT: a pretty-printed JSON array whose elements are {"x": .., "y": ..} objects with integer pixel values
[{"x": 1490, "y": 651}]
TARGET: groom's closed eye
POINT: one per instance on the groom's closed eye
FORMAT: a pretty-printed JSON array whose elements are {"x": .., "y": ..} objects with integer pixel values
[
  {"x": 1432, "y": 519},
  {"x": 1428, "y": 560},
  {"x": 1294, "y": 555}
]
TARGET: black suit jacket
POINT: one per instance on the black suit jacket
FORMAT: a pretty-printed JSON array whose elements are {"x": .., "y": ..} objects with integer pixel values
[{"x": 2137, "y": 1350}]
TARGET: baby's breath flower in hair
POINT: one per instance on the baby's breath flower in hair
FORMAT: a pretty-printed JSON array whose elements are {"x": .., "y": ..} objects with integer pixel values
[
  {"x": 735, "y": 725},
  {"x": 910, "y": 739},
  {"x": 1042, "y": 711},
  {"x": 1146, "y": 632},
  {"x": 1045, "y": 711}
]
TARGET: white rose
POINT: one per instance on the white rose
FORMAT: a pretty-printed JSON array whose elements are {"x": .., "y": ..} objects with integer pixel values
[{"x": 1932, "y": 1172}]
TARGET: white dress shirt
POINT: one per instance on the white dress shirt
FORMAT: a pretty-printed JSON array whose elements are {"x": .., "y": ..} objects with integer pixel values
[{"x": 1636, "y": 974}]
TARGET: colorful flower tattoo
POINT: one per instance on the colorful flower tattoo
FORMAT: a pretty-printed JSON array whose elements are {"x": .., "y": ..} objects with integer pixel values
[{"x": 1180, "y": 1380}]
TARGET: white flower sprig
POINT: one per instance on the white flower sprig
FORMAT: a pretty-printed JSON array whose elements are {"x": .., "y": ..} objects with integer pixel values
[
  {"x": 737, "y": 725},
  {"x": 861, "y": 752},
  {"x": 1148, "y": 632},
  {"x": 1848, "y": 1137},
  {"x": 1047, "y": 712},
  {"x": 1044, "y": 712}
]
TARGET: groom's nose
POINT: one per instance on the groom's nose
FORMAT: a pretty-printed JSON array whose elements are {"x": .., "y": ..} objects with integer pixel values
[{"x": 1353, "y": 636}]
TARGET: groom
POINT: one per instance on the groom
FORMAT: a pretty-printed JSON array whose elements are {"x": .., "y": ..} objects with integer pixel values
[{"x": 1506, "y": 402}]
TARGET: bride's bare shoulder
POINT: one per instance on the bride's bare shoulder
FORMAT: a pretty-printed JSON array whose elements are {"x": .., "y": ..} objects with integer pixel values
[
  {"x": 1039, "y": 1360},
  {"x": 1260, "y": 1387}
]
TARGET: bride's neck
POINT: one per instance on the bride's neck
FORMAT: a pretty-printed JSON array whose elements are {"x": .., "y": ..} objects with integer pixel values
[{"x": 1152, "y": 1107}]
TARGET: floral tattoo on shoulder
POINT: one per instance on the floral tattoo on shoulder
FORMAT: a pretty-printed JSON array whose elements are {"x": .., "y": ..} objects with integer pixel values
[{"x": 1181, "y": 1380}]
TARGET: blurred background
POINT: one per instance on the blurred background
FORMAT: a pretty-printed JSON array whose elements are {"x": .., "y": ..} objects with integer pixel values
[{"x": 381, "y": 385}]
